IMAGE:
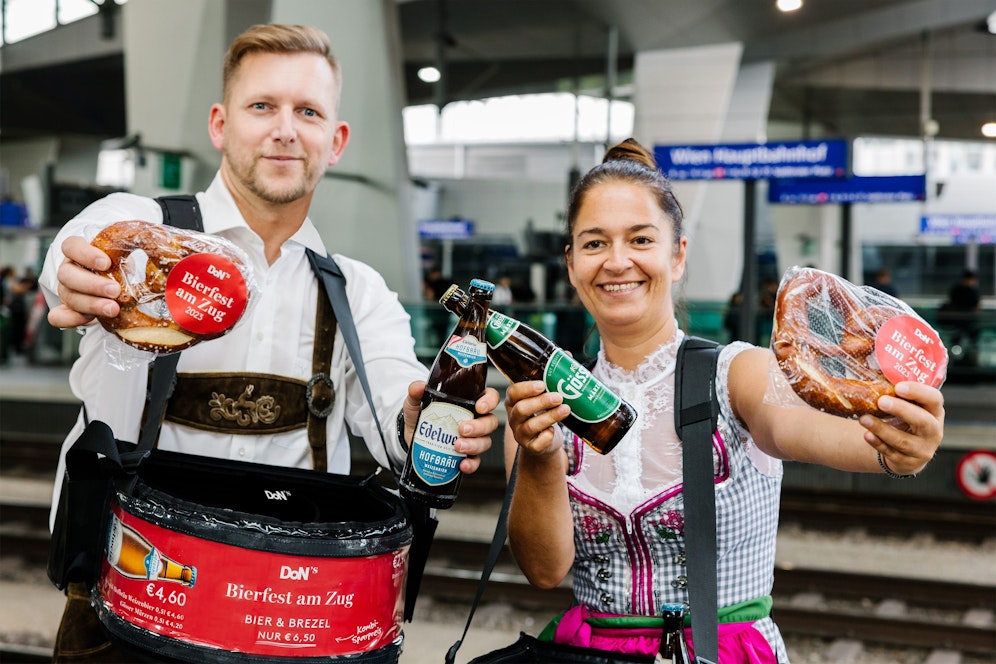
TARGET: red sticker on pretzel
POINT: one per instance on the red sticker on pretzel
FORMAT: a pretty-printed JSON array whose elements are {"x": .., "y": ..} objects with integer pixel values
[
  {"x": 205, "y": 294},
  {"x": 908, "y": 349}
]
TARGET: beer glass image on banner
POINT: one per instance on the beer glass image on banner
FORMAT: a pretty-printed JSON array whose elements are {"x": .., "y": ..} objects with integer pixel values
[{"x": 131, "y": 555}]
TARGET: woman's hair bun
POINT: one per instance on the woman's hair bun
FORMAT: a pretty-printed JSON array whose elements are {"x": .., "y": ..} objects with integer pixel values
[{"x": 630, "y": 150}]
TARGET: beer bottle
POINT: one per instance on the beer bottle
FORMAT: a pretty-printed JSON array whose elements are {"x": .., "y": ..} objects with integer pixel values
[
  {"x": 674, "y": 649},
  {"x": 133, "y": 556},
  {"x": 456, "y": 381},
  {"x": 598, "y": 416}
]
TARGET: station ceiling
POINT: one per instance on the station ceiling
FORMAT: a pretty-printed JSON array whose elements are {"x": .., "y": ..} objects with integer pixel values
[{"x": 855, "y": 67}]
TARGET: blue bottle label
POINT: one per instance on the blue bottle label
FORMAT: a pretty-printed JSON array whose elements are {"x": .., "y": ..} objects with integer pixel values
[
  {"x": 433, "y": 457},
  {"x": 467, "y": 350}
]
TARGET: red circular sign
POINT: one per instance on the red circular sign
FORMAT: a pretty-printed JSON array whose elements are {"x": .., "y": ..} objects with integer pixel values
[
  {"x": 205, "y": 294},
  {"x": 976, "y": 475},
  {"x": 908, "y": 349}
]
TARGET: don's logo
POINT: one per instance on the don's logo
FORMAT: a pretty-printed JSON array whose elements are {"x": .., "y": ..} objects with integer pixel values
[{"x": 299, "y": 574}]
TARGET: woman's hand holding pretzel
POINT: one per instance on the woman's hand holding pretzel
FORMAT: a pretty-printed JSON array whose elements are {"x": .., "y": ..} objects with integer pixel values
[{"x": 909, "y": 438}]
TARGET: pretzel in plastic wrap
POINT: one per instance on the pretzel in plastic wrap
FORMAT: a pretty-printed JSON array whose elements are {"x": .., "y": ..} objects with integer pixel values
[
  {"x": 842, "y": 346},
  {"x": 178, "y": 288}
]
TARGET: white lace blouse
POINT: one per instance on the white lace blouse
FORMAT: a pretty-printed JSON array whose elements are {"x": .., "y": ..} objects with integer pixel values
[
  {"x": 648, "y": 459},
  {"x": 628, "y": 505}
]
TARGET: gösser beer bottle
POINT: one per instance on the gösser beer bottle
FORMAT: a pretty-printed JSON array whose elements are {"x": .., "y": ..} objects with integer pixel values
[
  {"x": 456, "y": 381},
  {"x": 598, "y": 416}
]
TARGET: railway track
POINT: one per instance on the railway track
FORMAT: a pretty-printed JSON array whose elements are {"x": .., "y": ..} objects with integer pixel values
[
  {"x": 871, "y": 608},
  {"x": 819, "y": 509},
  {"x": 908, "y": 613}
]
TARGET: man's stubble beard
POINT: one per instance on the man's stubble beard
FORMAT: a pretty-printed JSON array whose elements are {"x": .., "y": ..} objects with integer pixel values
[{"x": 256, "y": 184}]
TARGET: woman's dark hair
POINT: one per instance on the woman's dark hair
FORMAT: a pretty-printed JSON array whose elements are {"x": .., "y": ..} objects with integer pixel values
[{"x": 627, "y": 162}]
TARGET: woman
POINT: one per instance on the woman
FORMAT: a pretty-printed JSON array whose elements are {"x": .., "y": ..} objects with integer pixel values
[{"x": 615, "y": 521}]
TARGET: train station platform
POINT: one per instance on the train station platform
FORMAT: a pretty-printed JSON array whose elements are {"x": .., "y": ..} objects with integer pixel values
[
  {"x": 37, "y": 404},
  {"x": 437, "y": 625}
]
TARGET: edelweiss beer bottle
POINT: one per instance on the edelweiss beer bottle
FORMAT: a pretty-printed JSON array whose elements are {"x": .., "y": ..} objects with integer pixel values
[
  {"x": 674, "y": 649},
  {"x": 598, "y": 416},
  {"x": 456, "y": 381},
  {"x": 133, "y": 556}
]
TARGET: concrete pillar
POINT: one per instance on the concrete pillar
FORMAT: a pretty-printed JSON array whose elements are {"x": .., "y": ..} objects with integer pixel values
[
  {"x": 173, "y": 60},
  {"x": 702, "y": 95},
  {"x": 363, "y": 207}
]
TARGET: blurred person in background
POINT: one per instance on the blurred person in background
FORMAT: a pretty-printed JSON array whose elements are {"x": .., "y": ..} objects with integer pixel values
[
  {"x": 883, "y": 282},
  {"x": 960, "y": 314}
]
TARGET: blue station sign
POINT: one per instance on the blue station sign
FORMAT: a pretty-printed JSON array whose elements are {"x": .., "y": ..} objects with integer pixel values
[
  {"x": 445, "y": 229},
  {"x": 754, "y": 161},
  {"x": 889, "y": 189},
  {"x": 961, "y": 228}
]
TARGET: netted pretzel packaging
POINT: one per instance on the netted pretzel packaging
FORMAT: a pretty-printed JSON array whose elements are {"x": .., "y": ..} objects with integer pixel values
[
  {"x": 178, "y": 288},
  {"x": 840, "y": 346}
]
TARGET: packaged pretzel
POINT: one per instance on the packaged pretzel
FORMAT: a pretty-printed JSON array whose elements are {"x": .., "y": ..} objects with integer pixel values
[
  {"x": 840, "y": 346},
  {"x": 178, "y": 288}
]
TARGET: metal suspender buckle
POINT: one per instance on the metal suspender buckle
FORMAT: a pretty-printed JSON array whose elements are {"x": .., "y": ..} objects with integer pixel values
[{"x": 320, "y": 395}]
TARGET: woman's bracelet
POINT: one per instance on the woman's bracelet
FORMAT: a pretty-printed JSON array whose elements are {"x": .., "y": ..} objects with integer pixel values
[{"x": 894, "y": 475}]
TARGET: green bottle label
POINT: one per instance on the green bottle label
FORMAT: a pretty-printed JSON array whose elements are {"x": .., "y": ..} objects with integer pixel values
[
  {"x": 500, "y": 328},
  {"x": 588, "y": 399}
]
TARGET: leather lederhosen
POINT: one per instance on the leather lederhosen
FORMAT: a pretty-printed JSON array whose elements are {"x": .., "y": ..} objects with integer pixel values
[{"x": 261, "y": 404}]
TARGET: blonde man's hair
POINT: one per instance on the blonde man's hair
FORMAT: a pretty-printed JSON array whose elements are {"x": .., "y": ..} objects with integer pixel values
[{"x": 279, "y": 38}]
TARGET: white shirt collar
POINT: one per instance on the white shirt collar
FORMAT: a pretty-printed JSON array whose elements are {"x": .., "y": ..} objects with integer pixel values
[{"x": 222, "y": 214}]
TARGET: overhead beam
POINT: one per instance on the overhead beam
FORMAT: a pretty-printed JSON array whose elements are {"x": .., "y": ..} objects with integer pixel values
[{"x": 868, "y": 29}]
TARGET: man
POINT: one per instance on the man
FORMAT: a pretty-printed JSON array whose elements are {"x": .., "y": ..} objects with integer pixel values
[
  {"x": 883, "y": 282},
  {"x": 278, "y": 129},
  {"x": 960, "y": 315}
]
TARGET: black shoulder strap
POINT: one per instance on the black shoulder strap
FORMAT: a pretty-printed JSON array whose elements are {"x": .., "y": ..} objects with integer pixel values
[
  {"x": 422, "y": 520},
  {"x": 181, "y": 212},
  {"x": 497, "y": 544},
  {"x": 696, "y": 413}
]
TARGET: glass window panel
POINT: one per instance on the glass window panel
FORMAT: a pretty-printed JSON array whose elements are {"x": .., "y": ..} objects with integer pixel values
[
  {"x": 74, "y": 10},
  {"x": 27, "y": 18},
  {"x": 547, "y": 117}
]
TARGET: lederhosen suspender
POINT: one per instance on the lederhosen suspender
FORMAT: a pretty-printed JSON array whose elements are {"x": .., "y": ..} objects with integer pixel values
[{"x": 254, "y": 403}]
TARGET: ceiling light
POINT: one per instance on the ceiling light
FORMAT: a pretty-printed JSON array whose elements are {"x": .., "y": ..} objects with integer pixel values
[
  {"x": 989, "y": 130},
  {"x": 789, "y": 5},
  {"x": 991, "y": 23},
  {"x": 429, "y": 74}
]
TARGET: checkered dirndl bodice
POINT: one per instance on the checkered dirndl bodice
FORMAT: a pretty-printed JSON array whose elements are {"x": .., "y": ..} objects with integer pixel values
[{"x": 628, "y": 506}]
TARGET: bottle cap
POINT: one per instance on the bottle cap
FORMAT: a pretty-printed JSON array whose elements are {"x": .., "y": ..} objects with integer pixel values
[
  {"x": 679, "y": 609},
  {"x": 481, "y": 283},
  {"x": 449, "y": 291}
]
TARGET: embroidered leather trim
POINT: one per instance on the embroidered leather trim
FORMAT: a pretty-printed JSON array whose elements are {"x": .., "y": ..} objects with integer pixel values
[
  {"x": 238, "y": 403},
  {"x": 244, "y": 410}
]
